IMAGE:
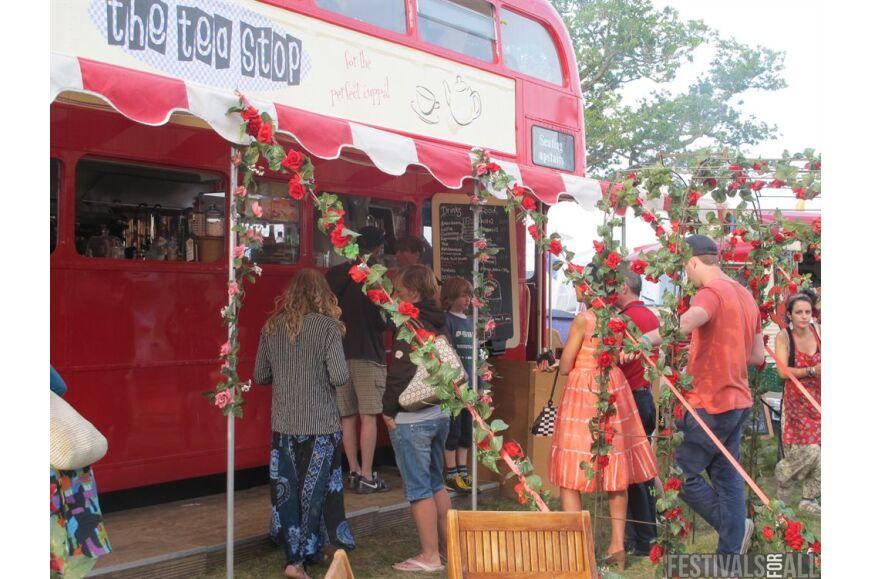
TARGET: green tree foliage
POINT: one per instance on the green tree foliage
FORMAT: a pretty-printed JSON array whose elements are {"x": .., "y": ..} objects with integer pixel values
[{"x": 620, "y": 41}]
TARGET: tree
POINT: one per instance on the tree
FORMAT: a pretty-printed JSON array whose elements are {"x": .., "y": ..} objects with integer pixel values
[{"x": 617, "y": 42}]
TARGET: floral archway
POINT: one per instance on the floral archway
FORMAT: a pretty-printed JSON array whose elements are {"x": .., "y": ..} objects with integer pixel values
[{"x": 666, "y": 197}]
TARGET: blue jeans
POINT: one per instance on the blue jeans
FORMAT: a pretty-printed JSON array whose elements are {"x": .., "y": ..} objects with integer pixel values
[
  {"x": 641, "y": 502},
  {"x": 722, "y": 505},
  {"x": 419, "y": 451}
]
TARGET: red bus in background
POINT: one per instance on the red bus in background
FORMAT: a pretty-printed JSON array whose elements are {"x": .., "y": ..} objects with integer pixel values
[{"x": 139, "y": 235}]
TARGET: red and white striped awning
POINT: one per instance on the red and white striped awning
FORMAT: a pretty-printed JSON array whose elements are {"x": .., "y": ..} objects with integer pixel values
[{"x": 152, "y": 99}]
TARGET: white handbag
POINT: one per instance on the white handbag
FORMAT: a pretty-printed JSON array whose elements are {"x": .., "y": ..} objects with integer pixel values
[
  {"x": 419, "y": 394},
  {"x": 75, "y": 442}
]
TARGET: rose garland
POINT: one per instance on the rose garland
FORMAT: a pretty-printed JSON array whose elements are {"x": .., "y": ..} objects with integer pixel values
[
  {"x": 681, "y": 207},
  {"x": 265, "y": 152}
]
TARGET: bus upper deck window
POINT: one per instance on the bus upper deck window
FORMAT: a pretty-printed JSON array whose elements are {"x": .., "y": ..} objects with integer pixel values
[
  {"x": 389, "y": 14},
  {"x": 528, "y": 48},
  {"x": 465, "y": 26}
]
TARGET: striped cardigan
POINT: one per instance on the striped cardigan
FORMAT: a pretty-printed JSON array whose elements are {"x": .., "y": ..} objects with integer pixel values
[{"x": 304, "y": 374}]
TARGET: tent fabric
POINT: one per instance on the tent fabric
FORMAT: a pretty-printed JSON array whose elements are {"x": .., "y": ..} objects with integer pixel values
[{"x": 152, "y": 99}]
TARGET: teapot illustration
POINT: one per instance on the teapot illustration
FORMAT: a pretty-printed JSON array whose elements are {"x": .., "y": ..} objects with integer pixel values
[{"x": 463, "y": 101}]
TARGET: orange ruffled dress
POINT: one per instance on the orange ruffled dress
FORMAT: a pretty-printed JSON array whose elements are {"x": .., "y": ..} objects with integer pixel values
[{"x": 631, "y": 457}]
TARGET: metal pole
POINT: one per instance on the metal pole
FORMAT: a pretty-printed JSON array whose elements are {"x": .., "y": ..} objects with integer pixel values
[
  {"x": 475, "y": 344},
  {"x": 539, "y": 296},
  {"x": 231, "y": 423},
  {"x": 624, "y": 224}
]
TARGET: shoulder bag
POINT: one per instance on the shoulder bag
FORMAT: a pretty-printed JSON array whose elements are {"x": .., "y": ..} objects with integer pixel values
[
  {"x": 75, "y": 442},
  {"x": 419, "y": 394},
  {"x": 545, "y": 423}
]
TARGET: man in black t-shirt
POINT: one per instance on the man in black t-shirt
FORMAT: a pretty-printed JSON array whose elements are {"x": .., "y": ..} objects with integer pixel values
[{"x": 366, "y": 360}]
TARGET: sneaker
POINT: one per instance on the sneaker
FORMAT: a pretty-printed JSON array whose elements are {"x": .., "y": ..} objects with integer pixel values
[
  {"x": 457, "y": 484},
  {"x": 353, "y": 481},
  {"x": 810, "y": 506},
  {"x": 373, "y": 485},
  {"x": 747, "y": 536}
]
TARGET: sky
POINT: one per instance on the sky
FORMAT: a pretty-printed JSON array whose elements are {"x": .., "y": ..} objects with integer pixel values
[{"x": 789, "y": 26}]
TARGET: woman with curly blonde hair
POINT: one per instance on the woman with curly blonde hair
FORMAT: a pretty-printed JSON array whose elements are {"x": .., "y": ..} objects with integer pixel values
[{"x": 301, "y": 356}]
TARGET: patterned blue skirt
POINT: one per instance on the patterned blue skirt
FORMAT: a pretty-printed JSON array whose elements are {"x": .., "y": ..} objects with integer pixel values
[{"x": 307, "y": 496}]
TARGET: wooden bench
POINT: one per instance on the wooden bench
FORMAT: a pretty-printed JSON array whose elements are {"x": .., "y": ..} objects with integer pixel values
[{"x": 524, "y": 544}]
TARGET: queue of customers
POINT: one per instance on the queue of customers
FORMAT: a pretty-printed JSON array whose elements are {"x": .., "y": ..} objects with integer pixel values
[{"x": 322, "y": 350}]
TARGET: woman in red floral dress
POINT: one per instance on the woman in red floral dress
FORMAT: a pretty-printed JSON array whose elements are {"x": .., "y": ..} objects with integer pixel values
[{"x": 801, "y": 345}]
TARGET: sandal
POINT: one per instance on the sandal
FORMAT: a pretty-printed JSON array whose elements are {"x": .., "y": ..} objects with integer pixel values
[{"x": 418, "y": 566}]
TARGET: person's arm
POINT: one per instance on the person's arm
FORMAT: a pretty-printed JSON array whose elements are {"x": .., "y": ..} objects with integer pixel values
[
  {"x": 781, "y": 349},
  {"x": 756, "y": 356},
  {"x": 573, "y": 344},
  {"x": 262, "y": 366},
  {"x": 58, "y": 386},
  {"x": 336, "y": 366},
  {"x": 691, "y": 320}
]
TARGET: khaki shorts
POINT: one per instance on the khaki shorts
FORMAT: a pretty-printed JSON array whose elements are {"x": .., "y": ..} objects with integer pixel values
[{"x": 364, "y": 394}]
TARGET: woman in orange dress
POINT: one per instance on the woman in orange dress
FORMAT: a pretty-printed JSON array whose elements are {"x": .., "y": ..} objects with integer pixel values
[{"x": 631, "y": 459}]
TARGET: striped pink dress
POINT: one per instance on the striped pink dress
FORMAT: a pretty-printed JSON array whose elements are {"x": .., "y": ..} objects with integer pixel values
[{"x": 631, "y": 457}]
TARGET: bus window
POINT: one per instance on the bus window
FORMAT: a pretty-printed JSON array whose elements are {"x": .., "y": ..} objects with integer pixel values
[
  {"x": 465, "y": 26},
  {"x": 392, "y": 217},
  {"x": 127, "y": 211},
  {"x": 54, "y": 179},
  {"x": 528, "y": 48},
  {"x": 279, "y": 223},
  {"x": 389, "y": 14}
]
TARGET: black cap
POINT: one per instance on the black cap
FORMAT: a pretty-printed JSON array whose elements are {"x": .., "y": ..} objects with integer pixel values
[
  {"x": 370, "y": 237},
  {"x": 702, "y": 245}
]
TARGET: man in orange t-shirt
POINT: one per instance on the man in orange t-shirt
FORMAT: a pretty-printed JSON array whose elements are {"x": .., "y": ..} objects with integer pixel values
[{"x": 725, "y": 325}]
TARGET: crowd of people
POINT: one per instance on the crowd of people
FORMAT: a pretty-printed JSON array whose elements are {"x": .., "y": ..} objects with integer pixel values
[{"x": 323, "y": 352}]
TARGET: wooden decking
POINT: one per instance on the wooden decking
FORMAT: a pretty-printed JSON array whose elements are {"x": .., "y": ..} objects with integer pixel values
[{"x": 186, "y": 538}]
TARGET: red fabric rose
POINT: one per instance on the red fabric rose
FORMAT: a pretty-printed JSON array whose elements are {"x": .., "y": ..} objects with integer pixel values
[
  {"x": 710, "y": 182},
  {"x": 493, "y": 167},
  {"x": 339, "y": 240},
  {"x": 612, "y": 299},
  {"x": 655, "y": 554},
  {"x": 648, "y": 217},
  {"x": 679, "y": 411},
  {"x": 817, "y": 226},
  {"x": 254, "y": 125},
  {"x": 673, "y": 484},
  {"x": 816, "y": 547},
  {"x": 757, "y": 185},
  {"x": 575, "y": 268},
  {"x": 513, "y": 449},
  {"x": 777, "y": 184},
  {"x": 293, "y": 160},
  {"x": 264, "y": 135},
  {"x": 409, "y": 309},
  {"x": 555, "y": 247},
  {"x": 616, "y": 325},
  {"x": 613, "y": 260},
  {"x": 250, "y": 113},
  {"x": 639, "y": 266},
  {"x": 484, "y": 444},
  {"x": 793, "y": 536},
  {"x": 598, "y": 304},
  {"x": 673, "y": 513},
  {"x": 378, "y": 296},
  {"x": 798, "y": 257},
  {"x": 610, "y": 341},
  {"x": 605, "y": 360},
  {"x": 424, "y": 335},
  {"x": 603, "y": 460},
  {"x": 357, "y": 274},
  {"x": 768, "y": 533},
  {"x": 799, "y": 192},
  {"x": 694, "y": 196},
  {"x": 599, "y": 247},
  {"x": 660, "y": 231},
  {"x": 534, "y": 232},
  {"x": 295, "y": 188},
  {"x": 529, "y": 203}
]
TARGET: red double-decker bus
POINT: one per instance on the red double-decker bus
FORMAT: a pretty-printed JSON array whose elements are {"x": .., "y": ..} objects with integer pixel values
[{"x": 388, "y": 97}]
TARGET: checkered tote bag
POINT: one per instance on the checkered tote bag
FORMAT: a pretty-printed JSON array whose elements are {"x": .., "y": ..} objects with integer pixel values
[{"x": 545, "y": 423}]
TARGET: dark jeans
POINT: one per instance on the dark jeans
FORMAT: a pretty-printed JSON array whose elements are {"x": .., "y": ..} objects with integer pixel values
[
  {"x": 722, "y": 505},
  {"x": 641, "y": 502}
]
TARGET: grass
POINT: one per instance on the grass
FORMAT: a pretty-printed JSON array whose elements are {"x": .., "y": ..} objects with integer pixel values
[{"x": 375, "y": 554}]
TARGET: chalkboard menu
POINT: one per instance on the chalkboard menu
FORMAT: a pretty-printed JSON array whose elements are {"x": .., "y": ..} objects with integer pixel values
[{"x": 453, "y": 239}]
